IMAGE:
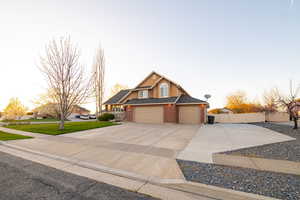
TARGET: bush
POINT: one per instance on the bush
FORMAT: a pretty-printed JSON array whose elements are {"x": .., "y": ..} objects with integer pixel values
[{"x": 106, "y": 117}]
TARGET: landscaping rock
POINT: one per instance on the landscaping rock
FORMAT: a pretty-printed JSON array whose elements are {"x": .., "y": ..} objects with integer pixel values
[
  {"x": 281, "y": 151},
  {"x": 277, "y": 185}
]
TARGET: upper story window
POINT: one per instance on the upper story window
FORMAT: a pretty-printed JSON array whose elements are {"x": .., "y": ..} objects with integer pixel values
[
  {"x": 164, "y": 90},
  {"x": 143, "y": 94}
]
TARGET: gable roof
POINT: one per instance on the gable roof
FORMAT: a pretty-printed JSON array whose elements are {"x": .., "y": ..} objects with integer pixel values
[
  {"x": 117, "y": 97},
  {"x": 81, "y": 108},
  {"x": 158, "y": 80}
]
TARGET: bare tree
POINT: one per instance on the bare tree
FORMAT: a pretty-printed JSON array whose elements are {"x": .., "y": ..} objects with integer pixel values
[
  {"x": 290, "y": 103},
  {"x": 65, "y": 76},
  {"x": 269, "y": 99},
  {"x": 99, "y": 78}
]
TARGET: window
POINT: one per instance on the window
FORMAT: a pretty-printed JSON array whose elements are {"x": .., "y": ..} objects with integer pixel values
[
  {"x": 164, "y": 90},
  {"x": 143, "y": 94}
]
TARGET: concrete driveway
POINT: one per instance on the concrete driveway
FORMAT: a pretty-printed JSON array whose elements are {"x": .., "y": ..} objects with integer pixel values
[
  {"x": 226, "y": 137},
  {"x": 143, "y": 149}
]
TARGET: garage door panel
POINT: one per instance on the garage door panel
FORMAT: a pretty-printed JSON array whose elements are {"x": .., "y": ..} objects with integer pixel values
[
  {"x": 189, "y": 115},
  {"x": 149, "y": 114}
]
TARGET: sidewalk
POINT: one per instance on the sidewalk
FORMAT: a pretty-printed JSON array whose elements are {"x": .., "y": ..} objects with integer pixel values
[{"x": 183, "y": 191}]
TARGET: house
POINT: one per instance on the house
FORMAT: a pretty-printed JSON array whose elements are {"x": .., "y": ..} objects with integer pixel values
[
  {"x": 50, "y": 110},
  {"x": 78, "y": 110},
  {"x": 158, "y": 99},
  {"x": 220, "y": 111}
]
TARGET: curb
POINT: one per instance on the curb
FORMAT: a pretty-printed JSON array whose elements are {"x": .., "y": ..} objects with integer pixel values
[
  {"x": 279, "y": 166},
  {"x": 217, "y": 192},
  {"x": 101, "y": 168}
]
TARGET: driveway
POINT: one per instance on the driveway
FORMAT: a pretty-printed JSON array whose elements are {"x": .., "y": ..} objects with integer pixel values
[
  {"x": 226, "y": 137},
  {"x": 143, "y": 149}
]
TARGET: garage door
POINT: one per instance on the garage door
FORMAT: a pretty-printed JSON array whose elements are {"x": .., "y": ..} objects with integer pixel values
[
  {"x": 189, "y": 114},
  {"x": 149, "y": 114}
]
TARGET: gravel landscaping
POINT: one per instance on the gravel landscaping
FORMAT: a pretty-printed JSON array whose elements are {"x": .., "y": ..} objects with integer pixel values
[
  {"x": 277, "y": 185},
  {"x": 282, "y": 151}
]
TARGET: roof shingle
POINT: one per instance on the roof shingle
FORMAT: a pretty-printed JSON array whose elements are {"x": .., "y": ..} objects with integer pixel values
[
  {"x": 151, "y": 101},
  {"x": 188, "y": 99},
  {"x": 116, "y": 98}
]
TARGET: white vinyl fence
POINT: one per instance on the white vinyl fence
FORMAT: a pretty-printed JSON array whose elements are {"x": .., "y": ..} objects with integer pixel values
[{"x": 251, "y": 117}]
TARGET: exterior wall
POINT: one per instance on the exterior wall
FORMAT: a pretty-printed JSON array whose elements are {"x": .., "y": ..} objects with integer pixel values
[
  {"x": 240, "y": 118},
  {"x": 173, "y": 89},
  {"x": 202, "y": 114},
  {"x": 133, "y": 95},
  {"x": 129, "y": 110},
  {"x": 150, "y": 80},
  {"x": 170, "y": 113},
  {"x": 277, "y": 117}
]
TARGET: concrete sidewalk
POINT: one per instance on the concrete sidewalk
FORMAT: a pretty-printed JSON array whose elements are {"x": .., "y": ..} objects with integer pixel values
[
  {"x": 216, "y": 138},
  {"x": 166, "y": 191}
]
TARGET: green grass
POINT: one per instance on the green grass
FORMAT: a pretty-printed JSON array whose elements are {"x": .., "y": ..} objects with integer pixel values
[
  {"x": 32, "y": 120},
  {"x": 9, "y": 136},
  {"x": 53, "y": 129}
]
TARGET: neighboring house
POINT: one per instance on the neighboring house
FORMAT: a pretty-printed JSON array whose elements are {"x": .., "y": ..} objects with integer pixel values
[
  {"x": 78, "y": 110},
  {"x": 220, "y": 111},
  {"x": 50, "y": 110},
  {"x": 157, "y": 99}
]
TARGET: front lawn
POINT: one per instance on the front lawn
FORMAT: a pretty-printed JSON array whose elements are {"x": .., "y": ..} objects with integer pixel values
[
  {"x": 32, "y": 120},
  {"x": 52, "y": 129},
  {"x": 9, "y": 136}
]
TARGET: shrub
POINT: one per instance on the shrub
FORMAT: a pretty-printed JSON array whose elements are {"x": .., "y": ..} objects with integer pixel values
[{"x": 106, "y": 117}]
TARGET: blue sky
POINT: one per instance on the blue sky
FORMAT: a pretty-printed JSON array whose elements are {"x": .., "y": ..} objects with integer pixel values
[{"x": 212, "y": 46}]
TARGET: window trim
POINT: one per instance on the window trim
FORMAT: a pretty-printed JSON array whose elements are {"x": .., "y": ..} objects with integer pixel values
[
  {"x": 166, "y": 85},
  {"x": 145, "y": 94}
]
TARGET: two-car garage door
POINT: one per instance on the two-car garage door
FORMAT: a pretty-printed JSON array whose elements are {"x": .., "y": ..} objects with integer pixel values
[
  {"x": 187, "y": 114},
  {"x": 149, "y": 114}
]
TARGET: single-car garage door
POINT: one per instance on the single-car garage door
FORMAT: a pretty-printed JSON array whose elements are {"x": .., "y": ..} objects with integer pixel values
[
  {"x": 189, "y": 114},
  {"x": 149, "y": 114}
]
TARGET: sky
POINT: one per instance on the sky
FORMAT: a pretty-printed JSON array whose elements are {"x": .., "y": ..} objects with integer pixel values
[{"x": 207, "y": 46}]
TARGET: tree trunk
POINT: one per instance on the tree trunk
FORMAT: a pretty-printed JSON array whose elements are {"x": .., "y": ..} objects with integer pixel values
[
  {"x": 62, "y": 124},
  {"x": 295, "y": 123},
  {"x": 62, "y": 121}
]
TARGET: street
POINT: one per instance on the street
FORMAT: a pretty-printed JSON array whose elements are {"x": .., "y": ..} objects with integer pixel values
[{"x": 23, "y": 179}]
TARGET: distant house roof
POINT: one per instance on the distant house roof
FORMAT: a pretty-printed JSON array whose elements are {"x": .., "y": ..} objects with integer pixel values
[
  {"x": 117, "y": 97},
  {"x": 151, "y": 101},
  {"x": 81, "y": 108},
  {"x": 185, "y": 99}
]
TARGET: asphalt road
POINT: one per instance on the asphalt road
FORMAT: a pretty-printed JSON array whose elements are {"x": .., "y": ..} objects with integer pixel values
[{"x": 22, "y": 179}]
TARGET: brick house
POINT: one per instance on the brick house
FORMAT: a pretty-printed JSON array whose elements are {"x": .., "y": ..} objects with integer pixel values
[{"x": 157, "y": 99}]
